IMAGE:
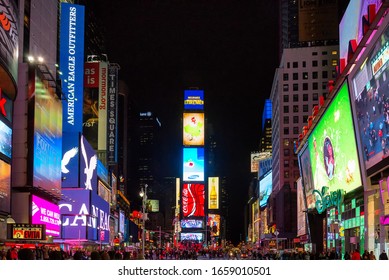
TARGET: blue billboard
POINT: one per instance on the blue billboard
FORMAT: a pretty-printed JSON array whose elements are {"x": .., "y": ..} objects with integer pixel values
[
  {"x": 194, "y": 99},
  {"x": 265, "y": 189},
  {"x": 72, "y": 64},
  {"x": 88, "y": 166},
  {"x": 193, "y": 161},
  {"x": 70, "y": 159}
]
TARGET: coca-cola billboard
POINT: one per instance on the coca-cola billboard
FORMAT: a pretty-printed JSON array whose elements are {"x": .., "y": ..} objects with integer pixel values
[{"x": 193, "y": 197}]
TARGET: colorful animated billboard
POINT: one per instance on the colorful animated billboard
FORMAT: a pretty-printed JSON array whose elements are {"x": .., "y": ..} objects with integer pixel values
[
  {"x": 194, "y": 99},
  {"x": 193, "y": 129},
  {"x": 193, "y": 161},
  {"x": 265, "y": 189},
  {"x": 192, "y": 200},
  {"x": 5, "y": 187},
  {"x": 46, "y": 213}
]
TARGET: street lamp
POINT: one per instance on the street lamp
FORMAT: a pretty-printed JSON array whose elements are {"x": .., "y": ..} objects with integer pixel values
[{"x": 143, "y": 195}]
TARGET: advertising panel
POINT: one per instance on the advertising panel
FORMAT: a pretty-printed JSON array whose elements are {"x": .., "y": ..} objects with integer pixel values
[
  {"x": 70, "y": 159},
  {"x": 72, "y": 64},
  {"x": 103, "y": 191},
  {"x": 306, "y": 174},
  {"x": 193, "y": 129},
  {"x": 9, "y": 46},
  {"x": 84, "y": 215},
  {"x": 47, "y": 137},
  {"x": 91, "y": 102},
  {"x": 194, "y": 99},
  {"x": 88, "y": 166},
  {"x": 192, "y": 223},
  {"x": 5, "y": 187},
  {"x": 193, "y": 160},
  {"x": 152, "y": 205},
  {"x": 333, "y": 149},
  {"x": 213, "y": 192},
  {"x": 370, "y": 93},
  {"x": 214, "y": 224},
  {"x": 27, "y": 232},
  {"x": 114, "y": 186},
  {"x": 193, "y": 196},
  {"x": 301, "y": 215},
  {"x": 121, "y": 221},
  {"x": 46, "y": 213},
  {"x": 265, "y": 164},
  {"x": 5, "y": 105},
  {"x": 191, "y": 236},
  {"x": 103, "y": 95},
  {"x": 351, "y": 27},
  {"x": 265, "y": 189},
  {"x": 254, "y": 159},
  {"x": 5, "y": 140},
  {"x": 112, "y": 112}
]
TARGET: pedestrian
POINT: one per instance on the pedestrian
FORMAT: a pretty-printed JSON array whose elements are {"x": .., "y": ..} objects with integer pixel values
[
  {"x": 372, "y": 256},
  {"x": 356, "y": 255},
  {"x": 383, "y": 256},
  {"x": 14, "y": 253}
]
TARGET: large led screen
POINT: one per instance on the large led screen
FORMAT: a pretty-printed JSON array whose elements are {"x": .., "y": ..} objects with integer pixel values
[
  {"x": 265, "y": 189},
  {"x": 70, "y": 159},
  {"x": 194, "y": 99},
  {"x": 47, "y": 137},
  {"x": 5, "y": 187},
  {"x": 5, "y": 139},
  {"x": 193, "y": 129},
  {"x": 191, "y": 236},
  {"x": 213, "y": 192},
  {"x": 370, "y": 93},
  {"x": 88, "y": 166},
  {"x": 214, "y": 224},
  {"x": 193, "y": 196},
  {"x": 191, "y": 223},
  {"x": 193, "y": 159},
  {"x": 72, "y": 64},
  {"x": 306, "y": 174},
  {"x": 333, "y": 149},
  {"x": 46, "y": 213}
]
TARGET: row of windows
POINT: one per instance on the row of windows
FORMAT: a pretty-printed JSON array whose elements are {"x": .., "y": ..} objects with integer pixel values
[
  {"x": 315, "y": 63},
  {"x": 315, "y": 86},
  {"x": 296, "y": 108},
  {"x": 305, "y": 75},
  {"x": 315, "y": 97}
]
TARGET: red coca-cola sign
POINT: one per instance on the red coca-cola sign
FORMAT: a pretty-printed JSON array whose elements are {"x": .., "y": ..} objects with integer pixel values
[{"x": 193, "y": 197}]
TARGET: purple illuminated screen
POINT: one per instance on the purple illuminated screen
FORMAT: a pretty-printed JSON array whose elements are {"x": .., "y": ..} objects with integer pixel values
[{"x": 46, "y": 213}]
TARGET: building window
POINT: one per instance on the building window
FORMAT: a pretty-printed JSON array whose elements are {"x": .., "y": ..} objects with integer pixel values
[
  {"x": 295, "y": 162},
  {"x": 334, "y": 62},
  {"x": 286, "y": 120},
  {"x": 324, "y": 52},
  {"x": 286, "y": 152},
  {"x": 286, "y": 142},
  {"x": 295, "y": 108},
  {"x": 324, "y": 74},
  {"x": 315, "y": 75},
  {"x": 305, "y": 119},
  {"x": 315, "y": 97},
  {"x": 334, "y": 74},
  {"x": 295, "y": 119},
  {"x": 286, "y": 87},
  {"x": 314, "y": 53},
  {"x": 314, "y": 63},
  {"x": 304, "y": 64},
  {"x": 305, "y": 75},
  {"x": 286, "y": 130},
  {"x": 305, "y": 108},
  {"x": 286, "y": 163},
  {"x": 286, "y": 76},
  {"x": 305, "y": 97},
  {"x": 324, "y": 62},
  {"x": 296, "y": 130},
  {"x": 286, "y": 109},
  {"x": 334, "y": 52},
  {"x": 288, "y": 65},
  {"x": 295, "y": 64},
  {"x": 305, "y": 86},
  {"x": 324, "y": 85},
  {"x": 315, "y": 86},
  {"x": 286, "y": 174},
  {"x": 295, "y": 76},
  {"x": 286, "y": 98},
  {"x": 295, "y": 87},
  {"x": 295, "y": 97}
]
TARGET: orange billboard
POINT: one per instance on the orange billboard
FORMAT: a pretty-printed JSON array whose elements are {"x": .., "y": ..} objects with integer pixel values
[{"x": 193, "y": 129}]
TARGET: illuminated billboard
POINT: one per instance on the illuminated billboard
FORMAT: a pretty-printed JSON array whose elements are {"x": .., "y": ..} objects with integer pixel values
[
  {"x": 70, "y": 159},
  {"x": 306, "y": 174},
  {"x": 72, "y": 64},
  {"x": 88, "y": 166},
  {"x": 5, "y": 187},
  {"x": 103, "y": 99},
  {"x": 112, "y": 112},
  {"x": 333, "y": 149},
  {"x": 192, "y": 223},
  {"x": 214, "y": 224},
  {"x": 47, "y": 135},
  {"x": 265, "y": 189},
  {"x": 46, "y": 213},
  {"x": 5, "y": 139},
  {"x": 213, "y": 193},
  {"x": 370, "y": 94},
  {"x": 193, "y": 129},
  {"x": 301, "y": 214},
  {"x": 152, "y": 205},
  {"x": 84, "y": 215},
  {"x": 191, "y": 236},
  {"x": 91, "y": 103},
  {"x": 193, "y": 196},
  {"x": 194, "y": 99},
  {"x": 193, "y": 161}
]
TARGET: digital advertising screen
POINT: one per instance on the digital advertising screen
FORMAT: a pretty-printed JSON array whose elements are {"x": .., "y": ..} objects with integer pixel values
[
  {"x": 306, "y": 174},
  {"x": 192, "y": 236},
  {"x": 152, "y": 205},
  {"x": 333, "y": 149},
  {"x": 72, "y": 25},
  {"x": 193, "y": 129},
  {"x": 194, "y": 99},
  {"x": 193, "y": 160},
  {"x": 265, "y": 189},
  {"x": 46, "y": 213},
  {"x": 301, "y": 214},
  {"x": 47, "y": 136},
  {"x": 5, "y": 187},
  {"x": 214, "y": 224},
  {"x": 370, "y": 94},
  {"x": 121, "y": 221},
  {"x": 192, "y": 200},
  {"x": 213, "y": 192},
  {"x": 5, "y": 139},
  {"x": 192, "y": 223},
  {"x": 88, "y": 166},
  {"x": 70, "y": 159}
]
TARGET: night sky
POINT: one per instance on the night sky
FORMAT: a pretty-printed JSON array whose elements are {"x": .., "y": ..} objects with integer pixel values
[{"x": 227, "y": 48}]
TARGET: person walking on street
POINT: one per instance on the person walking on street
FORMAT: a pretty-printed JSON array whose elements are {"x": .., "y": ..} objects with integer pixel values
[{"x": 383, "y": 256}]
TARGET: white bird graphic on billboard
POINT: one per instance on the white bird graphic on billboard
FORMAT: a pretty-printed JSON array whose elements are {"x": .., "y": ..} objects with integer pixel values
[
  {"x": 67, "y": 157},
  {"x": 89, "y": 167}
]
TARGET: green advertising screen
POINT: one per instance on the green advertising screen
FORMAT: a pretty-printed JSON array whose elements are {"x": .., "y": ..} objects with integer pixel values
[{"x": 333, "y": 149}]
